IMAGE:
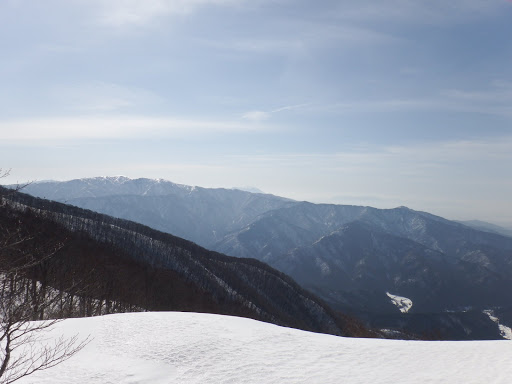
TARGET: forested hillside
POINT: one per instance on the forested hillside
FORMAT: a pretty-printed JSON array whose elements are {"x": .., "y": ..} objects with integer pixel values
[
  {"x": 105, "y": 265},
  {"x": 352, "y": 257}
]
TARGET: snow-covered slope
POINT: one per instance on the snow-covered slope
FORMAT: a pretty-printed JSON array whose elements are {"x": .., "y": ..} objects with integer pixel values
[
  {"x": 402, "y": 303},
  {"x": 505, "y": 331},
  {"x": 160, "y": 348}
]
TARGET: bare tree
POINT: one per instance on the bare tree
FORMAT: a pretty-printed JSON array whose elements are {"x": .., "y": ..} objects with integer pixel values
[{"x": 23, "y": 347}]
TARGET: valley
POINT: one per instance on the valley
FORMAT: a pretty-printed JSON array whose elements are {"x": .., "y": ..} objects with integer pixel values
[{"x": 350, "y": 256}]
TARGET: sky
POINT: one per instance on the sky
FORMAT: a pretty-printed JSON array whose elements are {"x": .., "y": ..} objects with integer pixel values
[{"x": 395, "y": 103}]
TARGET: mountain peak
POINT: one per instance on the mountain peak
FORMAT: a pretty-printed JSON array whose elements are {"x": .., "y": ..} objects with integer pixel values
[
  {"x": 113, "y": 179},
  {"x": 249, "y": 189}
]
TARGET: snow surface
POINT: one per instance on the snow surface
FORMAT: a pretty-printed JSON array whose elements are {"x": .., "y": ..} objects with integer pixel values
[
  {"x": 174, "y": 347},
  {"x": 403, "y": 303}
]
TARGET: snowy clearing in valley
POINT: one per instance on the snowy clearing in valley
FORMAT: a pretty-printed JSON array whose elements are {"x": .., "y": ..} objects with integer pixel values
[
  {"x": 505, "y": 331},
  {"x": 403, "y": 303},
  {"x": 175, "y": 347}
]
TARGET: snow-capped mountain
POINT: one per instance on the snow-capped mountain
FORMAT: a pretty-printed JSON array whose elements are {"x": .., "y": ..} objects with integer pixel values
[
  {"x": 105, "y": 186},
  {"x": 334, "y": 249},
  {"x": 127, "y": 262},
  {"x": 201, "y": 215},
  {"x": 349, "y": 255}
]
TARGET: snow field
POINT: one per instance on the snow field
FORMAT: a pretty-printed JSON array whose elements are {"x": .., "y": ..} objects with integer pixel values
[
  {"x": 403, "y": 303},
  {"x": 505, "y": 331},
  {"x": 174, "y": 347}
]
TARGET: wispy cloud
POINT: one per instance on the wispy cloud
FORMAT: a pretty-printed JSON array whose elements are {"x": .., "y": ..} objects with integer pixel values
[
  {"x": 291, "y": 107},
  {"x": 417, "y": 11},
  {"x": 398, "y": 160},
  {"x": 459, "y": 153},
  {"x": 496, "y": 100},
  {"x": 380, "y": 105},
  {"x": 301, "y": 37},
  {"x": 101, "y": 97},
  {"x": 499, "y": 93},
  {"x": 125, "y": 13},
  {"x": 353, "y": 106},
  {"x": 49, "y": 130},
  {"x": 258, "y": 115},
  {"x": 451, "y": 178}
]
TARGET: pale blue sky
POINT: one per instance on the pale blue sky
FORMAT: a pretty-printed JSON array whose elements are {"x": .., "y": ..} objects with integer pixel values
[{"x": 381, "y": 103}]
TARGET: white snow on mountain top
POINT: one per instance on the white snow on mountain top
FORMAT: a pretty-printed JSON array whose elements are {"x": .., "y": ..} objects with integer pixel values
[{"x": 159, "y": 348}]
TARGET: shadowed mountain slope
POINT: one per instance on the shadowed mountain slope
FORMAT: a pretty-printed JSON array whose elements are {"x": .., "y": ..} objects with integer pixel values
[
  {"x": 216, "y": 282},
  {"x": 202, "y": 215},
  {"x": 351, "y": 256}
]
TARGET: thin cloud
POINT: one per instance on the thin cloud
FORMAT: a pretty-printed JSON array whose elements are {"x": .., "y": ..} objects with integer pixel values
[
  {"x": 101, "y": 97},
  {"x": 258, "y": 115},
  {"x": 495, "y": 100},
  {"x": 123, "y": 13},
  {"x": 417, "y": 11},
  {"x": 301, "y": 37},
  {"x": 418, "y": 159},
  {"x": 448, "y": 177},
  {"x": 499, "y": 94},
  {"x": 120, "y": 127},
  {"x": 291, "y": 107}
]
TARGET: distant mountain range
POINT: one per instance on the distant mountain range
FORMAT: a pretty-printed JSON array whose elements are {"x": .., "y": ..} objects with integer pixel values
[
  {"x": 130, "y": 266},
  {"x": 201, "y": 215},
  {"x": 487, "y": 227},
  {"x": 351, "y": 256}
]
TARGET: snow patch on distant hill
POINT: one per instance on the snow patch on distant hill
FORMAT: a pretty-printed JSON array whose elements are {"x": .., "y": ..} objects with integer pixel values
[
  {"x": 505, "y": 331},
  {"x": 403, "y": 303}
]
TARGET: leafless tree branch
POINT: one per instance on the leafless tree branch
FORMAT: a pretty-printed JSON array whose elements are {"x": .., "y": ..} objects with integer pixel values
[{"x": 23, "y": 349}]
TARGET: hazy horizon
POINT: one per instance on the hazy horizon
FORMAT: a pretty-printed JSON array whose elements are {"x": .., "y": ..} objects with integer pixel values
[{"x": 385, "y": 104}]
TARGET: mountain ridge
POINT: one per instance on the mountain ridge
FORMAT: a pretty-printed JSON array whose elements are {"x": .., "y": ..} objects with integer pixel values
[
  {"x": 243, "y": 286},
  {"x": 467, "y": 267}
]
